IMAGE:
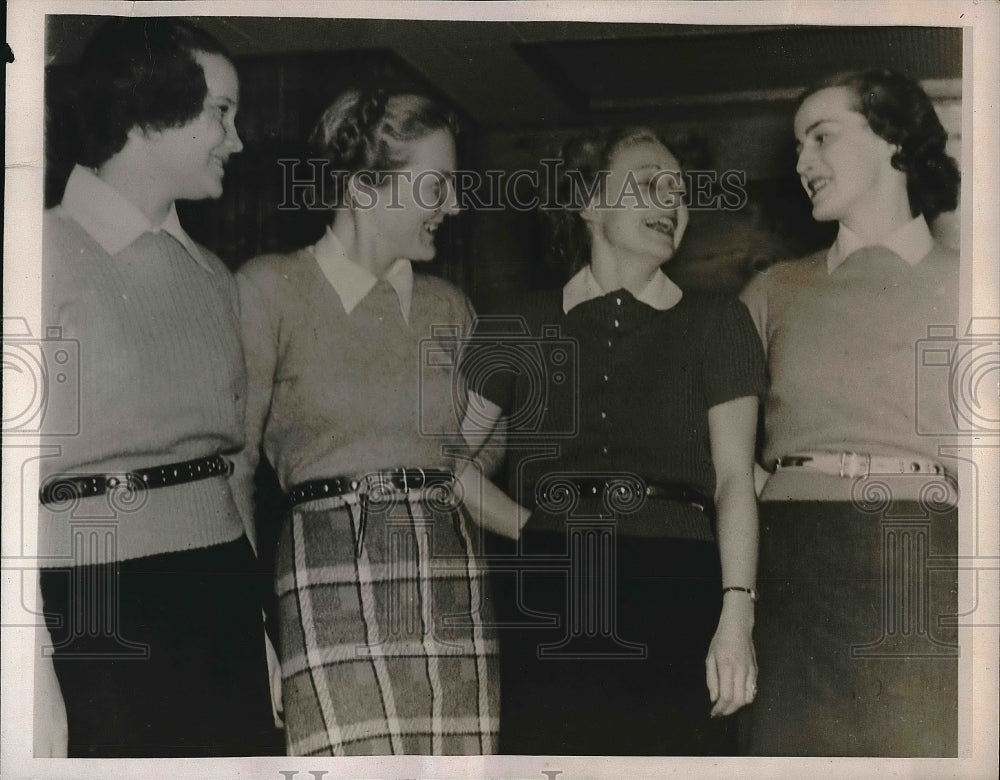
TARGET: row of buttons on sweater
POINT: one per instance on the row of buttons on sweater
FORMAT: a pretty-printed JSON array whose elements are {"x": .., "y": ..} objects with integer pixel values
[{"x": 604, "y": 414}]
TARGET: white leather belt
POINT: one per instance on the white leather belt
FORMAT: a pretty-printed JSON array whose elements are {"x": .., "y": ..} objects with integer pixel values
[{"x": 853, "y": 465}]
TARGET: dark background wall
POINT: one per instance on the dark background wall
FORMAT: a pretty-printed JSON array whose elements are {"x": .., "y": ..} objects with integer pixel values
[{"x": 722, "y": 96}]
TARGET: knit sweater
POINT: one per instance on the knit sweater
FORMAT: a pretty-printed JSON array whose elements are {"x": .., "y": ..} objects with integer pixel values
[
  {"x": 843, "y": 347},
  {"x": 161, "y": 380},
  {"x": 334, "y": 394},
  {"x": 632, "y": 395}
]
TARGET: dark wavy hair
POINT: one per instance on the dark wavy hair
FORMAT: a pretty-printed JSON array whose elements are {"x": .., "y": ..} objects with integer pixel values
[
  {"x": 368, "y": 131},
  {"x": 900, "y": 112},
  {"x": 139, "y": 73},
  {"x": 586, "y": 159}
]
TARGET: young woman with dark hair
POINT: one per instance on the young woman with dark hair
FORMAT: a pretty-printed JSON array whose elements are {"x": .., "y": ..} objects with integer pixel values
[
  {"x": 140, "y": 75},
  {"x": 386, "y": 636},
  {"x": 855, "y": 648},
  {"x": 148, "y": 580}
]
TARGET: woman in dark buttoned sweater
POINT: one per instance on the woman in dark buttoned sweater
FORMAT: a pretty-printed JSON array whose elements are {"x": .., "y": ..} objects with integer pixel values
[{"x": 631, "y": 446}]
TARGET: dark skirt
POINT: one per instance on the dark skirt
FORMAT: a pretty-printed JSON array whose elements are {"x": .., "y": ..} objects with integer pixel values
[
  {"x": 176, "y": 669},
  {"x": 855, "y": 631},
  {"x": 604, "y": 653}
]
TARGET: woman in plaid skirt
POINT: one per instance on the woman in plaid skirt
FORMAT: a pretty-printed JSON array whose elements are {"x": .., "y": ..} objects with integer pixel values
[{"x": 386, "y": 637}]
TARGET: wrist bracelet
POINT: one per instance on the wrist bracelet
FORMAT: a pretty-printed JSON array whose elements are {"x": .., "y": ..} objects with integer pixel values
[{"x": 751, "y": 592}]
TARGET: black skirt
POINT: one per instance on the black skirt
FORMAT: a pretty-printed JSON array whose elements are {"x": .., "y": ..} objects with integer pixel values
[
  {"x": 604, "y": 653},
  {"x": 856, "y": 631},
  {"x": 168, "y": 661}
]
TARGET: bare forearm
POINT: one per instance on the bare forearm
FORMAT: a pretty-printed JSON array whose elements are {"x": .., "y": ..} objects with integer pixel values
[
  {"x": 731, "y": 666},
  {"x": 489, "y": 506},
  {"x": 737, "y": 531},
  {"x": 492, "y": 452}
]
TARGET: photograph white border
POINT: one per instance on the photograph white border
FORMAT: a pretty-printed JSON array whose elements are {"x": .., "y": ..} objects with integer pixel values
[{"x": 23, "y": 207}]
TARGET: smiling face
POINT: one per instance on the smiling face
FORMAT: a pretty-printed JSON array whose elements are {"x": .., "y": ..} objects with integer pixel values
[
  {"x": 408, "y": 210},
  {"x": 641, "y": 217},
  {"x": 189, "y": 161},
  {"x": 844, "y": 166}
]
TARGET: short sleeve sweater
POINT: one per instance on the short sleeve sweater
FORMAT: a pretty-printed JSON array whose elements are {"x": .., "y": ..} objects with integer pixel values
[
  {"x": 338, "y": 394},
  {"x": 844, "y": 352},
  {"x": 615, "y": 386}
]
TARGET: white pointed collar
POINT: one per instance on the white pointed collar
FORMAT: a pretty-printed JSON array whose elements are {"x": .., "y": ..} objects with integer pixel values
[
  {"x": 353, "y": 282},
  {"x": 112, "y": 220},
  {"x": 911, "y": 242}
]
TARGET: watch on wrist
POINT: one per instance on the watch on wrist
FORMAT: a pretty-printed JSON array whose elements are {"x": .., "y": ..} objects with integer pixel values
[{"x": 751, "y": 592}]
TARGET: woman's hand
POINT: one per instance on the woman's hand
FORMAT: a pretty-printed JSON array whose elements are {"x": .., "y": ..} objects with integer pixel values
[
  {"x": 274, "y": 681},
  {"x": 731, "y": 668},
  {"x": 488, "y": 506},
  {"x": 731, "y": 665}
]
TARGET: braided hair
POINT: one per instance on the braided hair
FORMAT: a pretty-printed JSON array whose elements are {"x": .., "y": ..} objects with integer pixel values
[{"x": 367, "y": 133}]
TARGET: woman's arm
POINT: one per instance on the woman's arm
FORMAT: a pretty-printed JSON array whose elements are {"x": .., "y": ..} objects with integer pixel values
[
  {"x": 731, "y": 667},
  {"x": 258, "y": 332},
  {"x": 490, "y": 507}
]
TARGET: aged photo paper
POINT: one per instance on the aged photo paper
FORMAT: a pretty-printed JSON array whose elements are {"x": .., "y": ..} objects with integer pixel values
[{"x": 522, "y": 45}]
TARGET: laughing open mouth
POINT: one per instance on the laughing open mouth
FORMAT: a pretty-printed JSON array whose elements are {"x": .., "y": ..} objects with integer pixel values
[
  {"x": 662, "y": 225},
  {"x": 815, "y": 186}
]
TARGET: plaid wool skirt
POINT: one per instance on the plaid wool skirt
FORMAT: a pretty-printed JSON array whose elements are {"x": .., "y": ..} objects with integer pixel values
[{"x": 393, "y": 650}]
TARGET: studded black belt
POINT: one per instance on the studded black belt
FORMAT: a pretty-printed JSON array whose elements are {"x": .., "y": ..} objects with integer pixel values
[
  {"x": 70, "y": 487},
  {"x": 624, "y": 495},
  {"x": 374, "y": 489},
  {"x": 402, "y": 480}
]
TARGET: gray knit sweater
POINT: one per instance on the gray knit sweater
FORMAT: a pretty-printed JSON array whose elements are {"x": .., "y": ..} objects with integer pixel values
[
  {"x": 153, "y": 342},
  {"x": 844, "y": 352},
  {"x": 334, "y": 394}
]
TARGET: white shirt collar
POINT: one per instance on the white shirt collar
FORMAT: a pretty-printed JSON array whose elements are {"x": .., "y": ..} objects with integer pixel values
[
  {"x": 353, "y": 282},
  {"x": 112, "y": 220},
  {"x": 912, "y": 242},
  {"x": 660, "y": 293}
]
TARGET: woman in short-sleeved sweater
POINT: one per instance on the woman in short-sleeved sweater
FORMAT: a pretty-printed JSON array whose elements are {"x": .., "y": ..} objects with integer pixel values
[
  {"x": 385, "y": 637},
  {"x": 638, "y": 417},
  {"x": 853, "y": 634}
]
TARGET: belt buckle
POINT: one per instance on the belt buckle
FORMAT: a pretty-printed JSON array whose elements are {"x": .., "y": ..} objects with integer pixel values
[{"x": 849, "y": 463}]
